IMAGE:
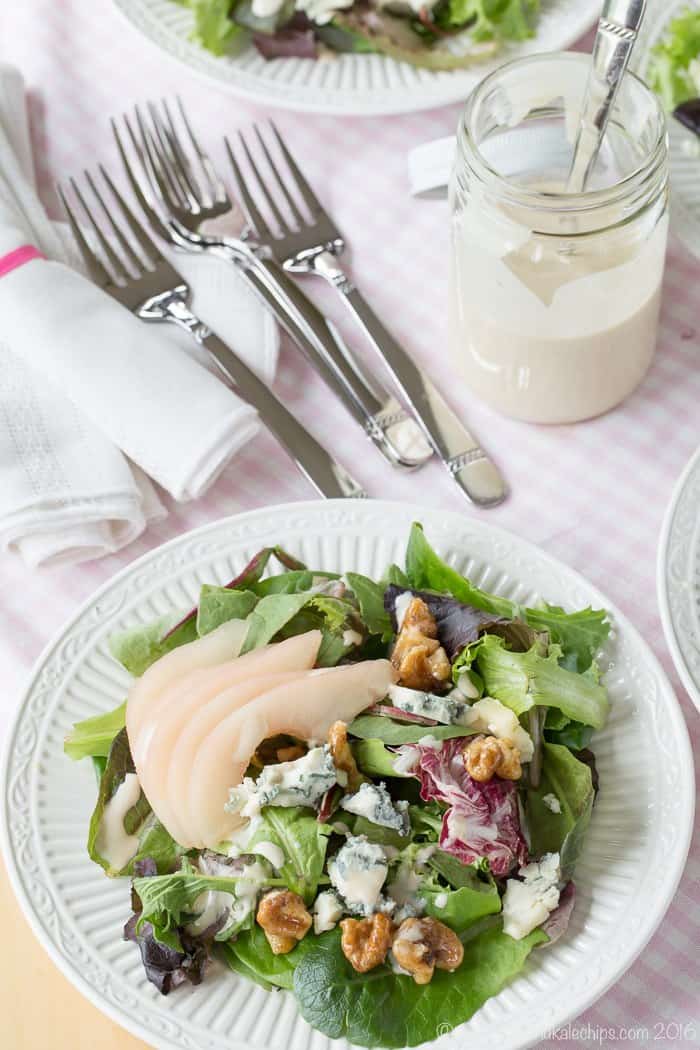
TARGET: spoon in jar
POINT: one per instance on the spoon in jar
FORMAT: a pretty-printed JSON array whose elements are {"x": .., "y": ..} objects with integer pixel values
[{"x": 616, "y": 36}]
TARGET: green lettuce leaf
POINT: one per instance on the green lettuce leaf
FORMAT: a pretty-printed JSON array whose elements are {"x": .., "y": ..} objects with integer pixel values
[
  {"x": 213, "y": 25},
  {"x": 379, "y": 727},
  {"x": 459, "y": 909},
  {"x": 374, "y": 759},
  {"x": 426, "y": 821},
  {"x": 581, "y": 634},
  {"x": 218, "y": 605},
  {"x": 303, "y": 840},
  {"x": 93, "y": 737},
  {"x": 153, "y": 840},
  {"x": 370, "y": 597},
  {"x": 523, "y": 680},
  {"x": 574, "y": 735},
  {"x": 389, "y": 1010},
  {"x": 291, "y": 582},
  {"x": 168, "y": 901},
  {"x": 425, "y": 570},
  {"x": 570, "y": 781},
  {"x": 251, "y": 956},
  {"x": 280, "y": 615},
  {"x": 490, "y": 19},
  {"x": 139, "y": 647},
  {"x": 375, "y": 832},
  {"x": 471, "y": 876},
  {"x": 670, "y": 73}
]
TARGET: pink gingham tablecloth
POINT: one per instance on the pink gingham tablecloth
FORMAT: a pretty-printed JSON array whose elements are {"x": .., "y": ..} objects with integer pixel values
[{"x": 593, "y": 494}]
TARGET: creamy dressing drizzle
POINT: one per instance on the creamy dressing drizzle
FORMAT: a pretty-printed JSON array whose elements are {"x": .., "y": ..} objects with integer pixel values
[{"x": 113, "y": 843}]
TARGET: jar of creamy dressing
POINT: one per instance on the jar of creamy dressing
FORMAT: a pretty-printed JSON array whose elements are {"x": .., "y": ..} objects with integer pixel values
[{"x": 555, "y": 297}]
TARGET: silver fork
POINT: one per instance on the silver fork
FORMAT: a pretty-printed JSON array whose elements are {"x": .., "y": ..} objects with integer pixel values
[
  {"x": 311, "y": 244},
  {"x": 185, "y": 199},
  {"x": 142, "y": 280}
]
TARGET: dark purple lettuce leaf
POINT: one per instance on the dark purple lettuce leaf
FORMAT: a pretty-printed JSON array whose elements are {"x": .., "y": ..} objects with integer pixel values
[
  {"x": 586, "y": 756},
  {"x": 458, "y": 624},
  {"x": 483, "y": 819},
  {"x": 558, "y": 921},
  {"x": 688, "y": 114},
  {"x": 166, "y": 967},
  {"x": 295, "y": 40}
]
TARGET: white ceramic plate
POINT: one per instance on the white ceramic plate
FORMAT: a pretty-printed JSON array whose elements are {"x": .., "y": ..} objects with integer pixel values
[
  {"x": 348, "y": 84},
  {"x": 678, "y": 577},
  {"x": 684, "y": 155},
  {"x": 632, "y": 861}
]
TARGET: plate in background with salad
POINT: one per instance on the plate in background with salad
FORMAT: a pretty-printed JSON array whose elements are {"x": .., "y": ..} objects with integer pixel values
[
  {"x": 361, "y": 57},
  {"x": 386, "y": 781},
  {"x": 667, "y": 56}
]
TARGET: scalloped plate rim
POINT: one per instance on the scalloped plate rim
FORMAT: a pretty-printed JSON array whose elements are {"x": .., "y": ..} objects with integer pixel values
[
  {"x": 691, "y": 686},
  {"x": 413, "y": 512}
]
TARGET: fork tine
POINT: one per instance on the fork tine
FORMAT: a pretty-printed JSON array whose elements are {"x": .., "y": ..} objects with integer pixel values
[
  {"x": 307, "y": 194},
  {"x": 280, "y": 181},
  {"x": 94, "y": 266},
  {"x": 123, "y": 242},
  {"x": 264, "y": 190},
  {"x": 153, "y": 217},
  {"x": 119, "y": 271},
  {"x": 152, "y": 252},
  {"x": 169, "y": 161},
  {"x": 216, "y": 184},
  {"x": 179, "y": 154},
  {"x": 251, "y": 212},
  {"x": 170, "y": 193}
]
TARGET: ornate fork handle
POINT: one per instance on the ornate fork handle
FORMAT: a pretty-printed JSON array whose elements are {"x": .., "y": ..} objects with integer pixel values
[
  {"x": 324, "y": 473},
  {"x": 461, "y": 454},
  {"x": 384, "y": 421}
]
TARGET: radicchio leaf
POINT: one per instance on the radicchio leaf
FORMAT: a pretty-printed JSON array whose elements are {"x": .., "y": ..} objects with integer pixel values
[{"x": 483, "y": 819}]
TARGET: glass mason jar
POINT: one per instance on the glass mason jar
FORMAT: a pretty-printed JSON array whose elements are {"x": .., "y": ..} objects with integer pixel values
[{"x": 555, "y": 296}]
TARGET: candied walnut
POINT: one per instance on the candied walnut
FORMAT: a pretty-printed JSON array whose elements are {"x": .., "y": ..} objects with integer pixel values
[
  {"x": 342, "y": 755},
  {"x": 365, "y": 942},
  {"x": 418, "y": 657},
  {"x": 284, "y": 918},
  {"x": 422, "y": 945},
  {"x": 487, "y": 756}
]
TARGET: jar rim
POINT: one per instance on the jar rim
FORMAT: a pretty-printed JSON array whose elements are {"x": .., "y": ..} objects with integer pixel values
[{"x": 586, "y": 201}]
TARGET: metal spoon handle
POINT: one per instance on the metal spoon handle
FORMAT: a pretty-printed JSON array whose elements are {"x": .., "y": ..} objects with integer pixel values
[{"x": 615, "y": 39}]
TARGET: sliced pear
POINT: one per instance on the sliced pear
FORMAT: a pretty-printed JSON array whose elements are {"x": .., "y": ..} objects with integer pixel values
[
  {"x": 305, "y": 708},
  {"x": 168, "y": 795},
  {"x": 222, "y": 644}
]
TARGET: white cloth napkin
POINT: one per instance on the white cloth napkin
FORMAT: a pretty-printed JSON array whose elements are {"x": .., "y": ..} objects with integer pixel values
[
  {"x": 81, "y": 378},
  {"x": 429, "y": 167}
]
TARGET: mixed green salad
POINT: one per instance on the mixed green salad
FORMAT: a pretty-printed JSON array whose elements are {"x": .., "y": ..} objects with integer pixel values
[
  {"x": 394, "y": 865},
  {"x": 674, "y": 71},
  {"x": 436, "y": 34}
]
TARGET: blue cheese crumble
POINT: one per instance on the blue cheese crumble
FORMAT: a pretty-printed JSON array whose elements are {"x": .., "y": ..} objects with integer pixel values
[
  {"x": 358, "y": 872},
  {"x": 552, "y": 803},
  {"x": 445, "y": 709},
  {"x": 374, "y": 803},
  {"x": 302, "y": 782},
  {"x": 327, "y": 911},
  {"x": 529, "y": 902}
]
